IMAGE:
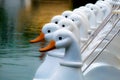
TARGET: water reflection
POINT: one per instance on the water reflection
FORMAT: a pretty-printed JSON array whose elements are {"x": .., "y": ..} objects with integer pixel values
[{"x": 18, "y": 58}]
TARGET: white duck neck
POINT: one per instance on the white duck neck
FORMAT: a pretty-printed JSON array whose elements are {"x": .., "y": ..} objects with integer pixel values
[
  {"x": 106, "y": 13},
  {"x": 92, "y": 19},
  {"x": 84, "y": 27},
  {"x": 72, "y": 53}
]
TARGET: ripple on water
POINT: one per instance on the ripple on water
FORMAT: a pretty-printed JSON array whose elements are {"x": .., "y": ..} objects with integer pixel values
[{"x": 18, "y": 58}]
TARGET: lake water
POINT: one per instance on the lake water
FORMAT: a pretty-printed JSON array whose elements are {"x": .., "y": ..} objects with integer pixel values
[{"x": 19, "y": 59}]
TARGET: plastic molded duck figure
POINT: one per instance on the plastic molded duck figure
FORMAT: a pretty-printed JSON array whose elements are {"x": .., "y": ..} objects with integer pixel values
[
  {"x": 83, "y": 26},
  {"x": 70, "y": 25},
  {"x": 46, "y": 33},
  {"x": 97, "y": 11},
  {"x": 56, "y": 19},
  {"x": 91, "y": 17},
  {"x": 45, "y": 72},
  {"x": 70, "y": 66},
  {"x": 106, "y": 9},
  {"x": 83, "y": 15}
]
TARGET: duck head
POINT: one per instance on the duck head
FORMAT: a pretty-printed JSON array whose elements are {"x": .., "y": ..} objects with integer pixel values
[
  {"x": 67, "y": 13},
  {"x": 98, "y": 13},
  {"x": 93, "y": 7},
  {"x": 104, "y": 8},
  {"x": 76, "y": 19},
  {"x": 59, "y": 40},
  {"x": 46, "y": 32},
  {"x": 69, "y": 25},
  {"x": 56, "y": 19},
  {"x": 65, "y": 39},
  {"x": 82, "y": 24},
  {"x": 91, "y": 16}
]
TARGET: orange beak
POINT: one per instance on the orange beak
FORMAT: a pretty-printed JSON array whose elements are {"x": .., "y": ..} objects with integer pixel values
[
  {"x": 49, "y": 47},
  {"x": 38, "y": 39}
]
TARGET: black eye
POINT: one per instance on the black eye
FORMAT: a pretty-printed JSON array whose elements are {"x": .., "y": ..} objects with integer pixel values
[
  {"x": 63, "y": 25},
  {"x": 66, "y": 16},
  {"x": 48, "y": 31},
  {"x": 60, "y": 38},
  {"x": 100, "y": 7},
  {"x": 91, "y": 8},
  {"x": 56, "y": 22},
  {"x": 73, "y": 20}
]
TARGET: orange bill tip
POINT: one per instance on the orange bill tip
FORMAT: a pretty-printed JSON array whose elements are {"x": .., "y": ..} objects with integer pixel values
[
  {"x": 38, "y": 39},
  {"x": 49, "y": 47}
]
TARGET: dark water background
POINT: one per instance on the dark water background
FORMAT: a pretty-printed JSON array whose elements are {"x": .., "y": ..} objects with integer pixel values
[{"x": 18, "y": 58}]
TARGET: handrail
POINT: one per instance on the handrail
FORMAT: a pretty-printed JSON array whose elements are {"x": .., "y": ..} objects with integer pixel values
[
  {"x": 91, "y": 38},
  {"x": 104, "y": 46},
  {"x": 101, "y": 40}
]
